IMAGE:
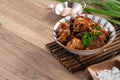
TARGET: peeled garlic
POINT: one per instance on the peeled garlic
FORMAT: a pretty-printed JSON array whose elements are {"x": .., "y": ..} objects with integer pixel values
[{"x": 67, "y": 12}]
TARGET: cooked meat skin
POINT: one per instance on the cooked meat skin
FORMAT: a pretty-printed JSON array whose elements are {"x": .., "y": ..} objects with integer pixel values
[
  {"x": 80, "y": 34},
  {"x": 62, "y": 38},
  {"x": 63, "y": 32},
  {"x": 62, "y": 27},
  {"x": 82, "y": 24},
  {"x": 75, "y": 43}
]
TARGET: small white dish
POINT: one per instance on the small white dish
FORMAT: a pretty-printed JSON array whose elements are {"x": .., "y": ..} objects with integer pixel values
[{"x": 72, "y": 8}]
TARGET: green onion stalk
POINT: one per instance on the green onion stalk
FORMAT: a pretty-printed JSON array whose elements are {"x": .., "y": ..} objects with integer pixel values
[{"x": 110, "y": 9}]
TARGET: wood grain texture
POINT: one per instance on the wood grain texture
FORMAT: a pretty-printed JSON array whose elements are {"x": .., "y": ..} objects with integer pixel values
[{"x": 25, "y": 28}]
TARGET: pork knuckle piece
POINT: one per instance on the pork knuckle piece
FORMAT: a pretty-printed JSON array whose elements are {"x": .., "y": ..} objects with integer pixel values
[
  {"x": 63, "y": 32},
  {"x": 82, "y": 24},
  {"x": 75, "y": 43}
]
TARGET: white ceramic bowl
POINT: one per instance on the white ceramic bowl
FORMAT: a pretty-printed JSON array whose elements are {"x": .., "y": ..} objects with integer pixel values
[
  {"x": 78, "y": 7},
  {"x": 107, "y": 25}
]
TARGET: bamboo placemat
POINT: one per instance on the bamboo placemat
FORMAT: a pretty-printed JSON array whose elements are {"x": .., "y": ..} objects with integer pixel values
[{"x": 74, "y": 63}]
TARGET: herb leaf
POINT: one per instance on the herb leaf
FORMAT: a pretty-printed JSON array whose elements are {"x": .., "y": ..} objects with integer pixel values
[
  {"x": 98, "y": 33},
  {"x": 97, "y": 28},
  {"x": 88, "y": 38}
]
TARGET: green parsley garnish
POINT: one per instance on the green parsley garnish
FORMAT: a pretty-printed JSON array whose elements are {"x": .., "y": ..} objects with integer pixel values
[
  {"x": 89, "y": 37},
  {"x": 97, "y": 28},
  {"x": 98, "y": 33}
]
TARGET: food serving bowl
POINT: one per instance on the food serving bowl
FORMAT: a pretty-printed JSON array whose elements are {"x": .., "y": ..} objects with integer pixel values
[
  {"x": 105, "y": 24},
  {"x": 96, "y": 68}
]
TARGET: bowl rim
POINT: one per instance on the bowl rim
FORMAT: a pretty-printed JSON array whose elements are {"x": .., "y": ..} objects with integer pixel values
[
  {"x": 108, "y": 43},
  {"x": 68, "y": 2}
]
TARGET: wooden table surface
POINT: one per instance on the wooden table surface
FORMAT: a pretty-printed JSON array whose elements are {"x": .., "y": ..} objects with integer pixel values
[{"x": 25, "y": 28}]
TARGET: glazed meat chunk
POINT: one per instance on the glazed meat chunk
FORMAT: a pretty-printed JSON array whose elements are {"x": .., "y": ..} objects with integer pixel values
[
  {"x": 63, "y": 32},
  {"x": 75, "y": 43},
  {"x": 81, "y": 24}
]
